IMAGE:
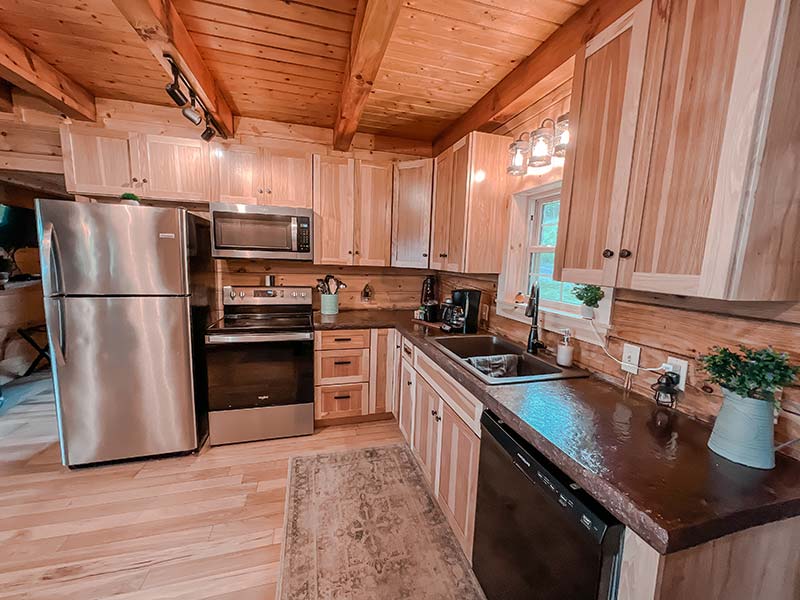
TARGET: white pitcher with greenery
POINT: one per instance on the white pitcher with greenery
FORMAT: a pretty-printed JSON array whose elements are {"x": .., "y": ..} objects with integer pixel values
[
  {"x": 590, "y": 296},
  {"x": 744, "y": 429}
]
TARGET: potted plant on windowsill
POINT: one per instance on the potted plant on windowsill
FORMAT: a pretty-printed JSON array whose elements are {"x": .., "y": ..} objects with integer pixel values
[
  {"x": 744, "y": 429},
  {"x": 590, "y": 295}
]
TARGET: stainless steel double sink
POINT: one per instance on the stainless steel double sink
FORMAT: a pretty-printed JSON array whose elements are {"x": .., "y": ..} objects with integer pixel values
[{"x": 529, "y": 368}]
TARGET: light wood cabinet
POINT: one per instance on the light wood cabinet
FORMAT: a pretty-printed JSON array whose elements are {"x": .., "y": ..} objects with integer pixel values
[
  {"x": 340, "y": 401},
  {"x": 406, "y": 400},
  {"x": 100, "y": 161},
  {"x": 334, "y": 210},
  {"x": 341, "y": 339},
  {"x": 411, "y": 213},
  {"x": 425, "y": 439},
  {"x": 457, "y": 485},
  {"x": 373, "y": 213},
  {"x": 603, "y": 113},
  {"x": 470, "y": 205},
  {"x": 174, "y": 168},
  {"x": 341, "y": 366},
  {"x": 252, "y": 175},
  {"x": 382, "y": 370},
  {"x": 352, "y": 211},
  {"x": 709, "y": 205}
]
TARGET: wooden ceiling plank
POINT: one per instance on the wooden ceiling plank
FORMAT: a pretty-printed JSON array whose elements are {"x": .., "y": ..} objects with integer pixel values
[
  {"x": 270, "y": 79},
  {"x": 26, "y": 70},
  {"x": 557, "y": 49},
  {"x": 293, "y": 11},
  {"x": 6, "y": 100},
  {"x": 158, "y": 24},
  {"x": 232, "y": 60},
  {"x": 371, "y": 35},
  {"x": 556, "y": 11}
]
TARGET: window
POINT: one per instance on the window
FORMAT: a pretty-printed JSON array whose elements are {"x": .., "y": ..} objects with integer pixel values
[{"x": 542, "y": 234}]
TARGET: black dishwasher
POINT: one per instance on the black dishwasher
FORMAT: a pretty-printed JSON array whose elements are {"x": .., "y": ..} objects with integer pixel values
[{"x": 538, "y": 536}]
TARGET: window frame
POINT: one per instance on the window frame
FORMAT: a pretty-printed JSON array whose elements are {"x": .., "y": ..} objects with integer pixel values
[{"x": 553, "y": 316}]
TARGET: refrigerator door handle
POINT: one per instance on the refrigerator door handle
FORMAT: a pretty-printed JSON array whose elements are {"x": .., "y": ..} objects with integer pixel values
[
  {"x": 56, "y": 333},
  {"x": 52, "y": 282}
]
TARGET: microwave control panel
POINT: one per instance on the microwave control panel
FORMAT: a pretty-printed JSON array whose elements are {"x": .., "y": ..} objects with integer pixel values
[{"x": 303, "y": 234}]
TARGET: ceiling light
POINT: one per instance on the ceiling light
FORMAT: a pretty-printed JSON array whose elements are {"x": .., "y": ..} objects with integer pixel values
[
  {"x": 174, "y": 88},
  {"x": 517, "y": 151},
  {"x": 191, "y": 113},
  {"x": 541, "y": 147}
]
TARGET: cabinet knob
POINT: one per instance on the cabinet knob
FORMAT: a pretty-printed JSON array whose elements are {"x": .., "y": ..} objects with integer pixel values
[
  {"x": 625, "y": 253},
  {"x": 444, "y": 255},
  {"x": 260, "y": 190},
  {"x": 408, "y": 383},
  {"x": 607, "y": 253},
  {"x": 349, "y": 251},
  {"x": 135, "y": 179},
  {"x": 425, "y": 255},
  {"x": 357, "y": 252},
  {"x": 269, "y": 190},
  {"x": 144, "y": 180},
  {"x": 438, "y": 418},
  {"x": 433, "y": 413}
]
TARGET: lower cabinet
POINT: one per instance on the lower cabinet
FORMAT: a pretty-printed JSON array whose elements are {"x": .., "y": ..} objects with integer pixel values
[
  {"x": 340, "y": 401},
  {"x": 440, "y": 421}
]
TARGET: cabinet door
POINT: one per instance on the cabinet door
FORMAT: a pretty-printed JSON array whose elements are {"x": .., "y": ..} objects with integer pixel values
[
  {"x": 411, "y": 213},
  {"x": 397, "y": 378},
  {"x": 373, "y": 214},
  {"x": 288, "y": 179},
  {"x": 426, "y": 427},
  {"x": 603, "y": 114},
  {"x": 691, "y": 60},
  {"x": 406, "y": 396},
  {"x": 442, "y": 194},
  {"x": 340, "y": 401},
  {"x": 333, "y": 210},
  {"x": 459, "y": 197},
  {"x": 381, "y": 370},
  {"x": 458, "y": 476},
  {"x": 237, "y": 173},
  {"x": 174, "y": 168},
  {"x": 100, "y": 161}
]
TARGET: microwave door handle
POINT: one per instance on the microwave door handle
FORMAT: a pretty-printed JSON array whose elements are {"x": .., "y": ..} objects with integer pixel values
[{"x": 294, "y": 234}]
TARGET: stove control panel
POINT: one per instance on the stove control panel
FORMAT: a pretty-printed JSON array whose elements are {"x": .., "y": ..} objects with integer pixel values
[{"x": 241, "y": 295}]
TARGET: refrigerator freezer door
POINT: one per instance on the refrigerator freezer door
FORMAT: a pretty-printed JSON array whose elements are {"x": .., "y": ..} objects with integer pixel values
[
  {"x": 123, "y": 377},
  {"x": 111, "y": 249}
]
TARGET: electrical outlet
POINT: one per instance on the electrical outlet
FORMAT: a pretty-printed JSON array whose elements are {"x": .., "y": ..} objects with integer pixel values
[
  {"x": 630, "y": 358},
  {"x": 681, "y": 367},
  {"x": 484, "y": 312}
]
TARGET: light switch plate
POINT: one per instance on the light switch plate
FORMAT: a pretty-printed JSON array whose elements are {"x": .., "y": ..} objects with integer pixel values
[
  {"x": 630, "y": 358},
  {"x": 681, "y": 367}
]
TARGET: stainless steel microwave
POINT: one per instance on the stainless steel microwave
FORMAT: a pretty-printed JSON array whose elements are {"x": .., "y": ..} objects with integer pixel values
[{"x": 248, "y": 231}]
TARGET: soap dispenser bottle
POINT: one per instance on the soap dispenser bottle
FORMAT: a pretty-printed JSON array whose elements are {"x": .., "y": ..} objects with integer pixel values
[{"x": 564, "y": 350}]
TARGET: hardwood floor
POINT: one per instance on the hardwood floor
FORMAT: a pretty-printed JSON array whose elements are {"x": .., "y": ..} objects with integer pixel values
[{"x": 206, "y": 526}]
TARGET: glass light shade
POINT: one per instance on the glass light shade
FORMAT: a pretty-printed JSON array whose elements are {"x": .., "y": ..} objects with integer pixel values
[
  {"x": 562, "y": 136},
  {"x": 517, "y": 151},
  {"x": 541, "y": 147}
]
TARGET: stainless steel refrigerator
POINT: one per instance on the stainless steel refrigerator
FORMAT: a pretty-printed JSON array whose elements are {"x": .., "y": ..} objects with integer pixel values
[{"x": 120, "y": 309}]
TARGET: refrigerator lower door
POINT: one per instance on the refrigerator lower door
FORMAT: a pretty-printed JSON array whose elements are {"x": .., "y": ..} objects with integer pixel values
[{"x": 122, "y": 373}]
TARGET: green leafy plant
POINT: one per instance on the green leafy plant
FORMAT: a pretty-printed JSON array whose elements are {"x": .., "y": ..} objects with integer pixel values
[
  {"x": 749, "y": 372},
  {"x": 590, "y": 295},
  {"x": 129, "y": 196}
]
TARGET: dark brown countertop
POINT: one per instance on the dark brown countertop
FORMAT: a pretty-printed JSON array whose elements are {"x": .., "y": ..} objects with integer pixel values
[{"x": 650, "y": 467}]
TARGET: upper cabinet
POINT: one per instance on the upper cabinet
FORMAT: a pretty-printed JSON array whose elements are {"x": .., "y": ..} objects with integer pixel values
[
  {"x": 373, "y": 213},
  {"x": 100, "y": 161},
  {"x": 470, "y": 205},
  {"x": 174, "y": 168},
  {"x": 411, "y": 213},
  {"x": 254, "y": 175},
  {"x": 603, "y": 111},
  {"x": 705, "y": 203}
]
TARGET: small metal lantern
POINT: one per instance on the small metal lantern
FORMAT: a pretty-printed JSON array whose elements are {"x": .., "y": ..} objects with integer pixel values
[
  {"x": 542, "y": 145},
  {"x": 666, "y": 389},
  {"x": 561, "y": 138},
  {"x": 517, "y": 151}
]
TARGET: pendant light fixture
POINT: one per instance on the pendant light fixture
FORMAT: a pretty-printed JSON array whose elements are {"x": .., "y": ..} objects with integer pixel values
[
  {"x": 517, "y": 151},
  {"x": 541, "y": 151},
  {"x": 562, "y": 137}
]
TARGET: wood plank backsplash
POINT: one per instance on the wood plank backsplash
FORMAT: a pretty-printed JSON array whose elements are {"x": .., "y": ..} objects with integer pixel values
[
  {"x": 665, "y": 326},
  {"x": 392, "y": 287}
]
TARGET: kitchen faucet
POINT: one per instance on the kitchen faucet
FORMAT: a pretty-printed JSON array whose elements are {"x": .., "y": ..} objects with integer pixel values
[{"x": 532, "y": 311}]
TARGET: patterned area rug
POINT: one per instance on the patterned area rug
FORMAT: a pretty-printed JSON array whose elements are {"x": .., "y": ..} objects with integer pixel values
[{"x": 362, "y": 525}]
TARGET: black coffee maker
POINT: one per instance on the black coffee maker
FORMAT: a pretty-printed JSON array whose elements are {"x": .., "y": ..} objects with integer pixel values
[{"x": 461, "y": 312}]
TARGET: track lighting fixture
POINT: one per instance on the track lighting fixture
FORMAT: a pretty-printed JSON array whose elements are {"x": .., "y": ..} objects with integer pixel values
[
  {"x": 209, "y": 132},
  {"x": 174, "y": 88},
  {"x": 190, "y": 112}
]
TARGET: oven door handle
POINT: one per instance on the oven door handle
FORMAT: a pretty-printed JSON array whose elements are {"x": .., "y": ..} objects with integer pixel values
[{"x": 253, "y": 338}]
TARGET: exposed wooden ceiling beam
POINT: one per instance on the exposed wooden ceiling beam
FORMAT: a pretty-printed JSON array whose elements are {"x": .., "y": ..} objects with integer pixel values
[
  {"x": 6, "y": 100},
  {"x": 554, "y": 51},
  {"x": 160, "y": 26},
  {"x": 28, "y": 71},
  {"x": 372, "y": 30}
]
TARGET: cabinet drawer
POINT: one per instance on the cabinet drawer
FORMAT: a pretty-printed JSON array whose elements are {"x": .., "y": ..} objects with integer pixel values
[
  {"x": 345, "y": 339},
  {"x": 338, "y": 401},
  {"x": 341, "y": 366},
  {"x": 464, "y": 404},
  {"x": 407, "y": 349}
]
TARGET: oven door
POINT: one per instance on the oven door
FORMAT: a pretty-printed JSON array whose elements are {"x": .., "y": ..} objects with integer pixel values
[
  {"x": 260, "y": 370},
  {"x": 244, "y": 231}
]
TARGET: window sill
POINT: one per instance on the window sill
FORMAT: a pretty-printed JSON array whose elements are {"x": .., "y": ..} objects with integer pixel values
[{"x": 556, "y": 320}]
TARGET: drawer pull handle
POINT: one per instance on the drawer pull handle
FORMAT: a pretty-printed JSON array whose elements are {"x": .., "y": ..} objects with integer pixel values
[
  {"x": 342, "y": 339},
  {"x": 407, "y": 351},
  {"x": 342, "y": 397},
  {"x": 343, "y": 362}
]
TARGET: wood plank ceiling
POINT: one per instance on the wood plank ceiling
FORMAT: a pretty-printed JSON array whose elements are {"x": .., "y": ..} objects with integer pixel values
[{"x": 285, "y": 60}]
